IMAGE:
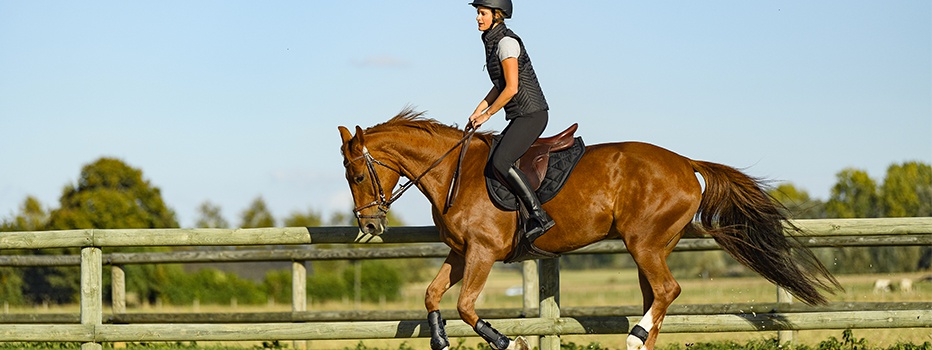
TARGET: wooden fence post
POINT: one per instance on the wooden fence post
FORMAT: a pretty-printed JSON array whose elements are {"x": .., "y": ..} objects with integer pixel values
[
  {"x": 531, "y": 289},
  {"x": 299, "y": 295},
  {"x": 118, "y": 289},
  {"x": 784, "y": 296},
  {"x": 550, "y": 299},
  {"x": 91, "y": 291}
]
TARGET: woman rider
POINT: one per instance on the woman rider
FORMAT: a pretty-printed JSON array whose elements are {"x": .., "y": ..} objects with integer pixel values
[{"x": 514, "y": 88}]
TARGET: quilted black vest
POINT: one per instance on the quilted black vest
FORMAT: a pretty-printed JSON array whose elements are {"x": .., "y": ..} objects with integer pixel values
[{"x": 530, "y": 98}]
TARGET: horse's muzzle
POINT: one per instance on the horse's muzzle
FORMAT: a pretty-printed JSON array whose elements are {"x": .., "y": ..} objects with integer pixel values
[{"x": 372, "y": 226}]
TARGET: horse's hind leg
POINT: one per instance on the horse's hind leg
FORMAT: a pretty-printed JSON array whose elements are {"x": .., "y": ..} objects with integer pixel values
[
  {"x": 658, "y": 287},
  {"x": 450, "y": 273}
]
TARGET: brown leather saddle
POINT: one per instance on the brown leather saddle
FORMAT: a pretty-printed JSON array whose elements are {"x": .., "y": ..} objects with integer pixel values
[{"x": 534, "y": 162}]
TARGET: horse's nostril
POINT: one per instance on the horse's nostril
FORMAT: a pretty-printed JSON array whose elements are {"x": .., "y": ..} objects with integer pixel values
[{"x": 370, "y": 228}]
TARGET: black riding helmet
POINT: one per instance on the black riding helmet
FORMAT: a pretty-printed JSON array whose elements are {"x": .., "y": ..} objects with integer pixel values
[{"x": 504, "y": 5}]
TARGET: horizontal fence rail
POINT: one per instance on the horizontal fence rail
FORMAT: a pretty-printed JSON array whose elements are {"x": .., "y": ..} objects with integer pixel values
[
  {"x": 413, "y": 250},
  {"x": 92, "y": 326},
  {"x": 886, "y": 227},
  {"x": 456, "y": 328},
  {"x": 414, "y": 315}
]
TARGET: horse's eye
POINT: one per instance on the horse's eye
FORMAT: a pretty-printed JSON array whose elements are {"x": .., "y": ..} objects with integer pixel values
[{"x": 359, "y": 179}]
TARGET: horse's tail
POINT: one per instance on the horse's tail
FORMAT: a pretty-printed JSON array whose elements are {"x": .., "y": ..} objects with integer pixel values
[{"x": 749, "y": 224}]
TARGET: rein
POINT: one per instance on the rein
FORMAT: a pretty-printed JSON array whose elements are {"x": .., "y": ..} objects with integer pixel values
[{"x": 384, "y": 204}]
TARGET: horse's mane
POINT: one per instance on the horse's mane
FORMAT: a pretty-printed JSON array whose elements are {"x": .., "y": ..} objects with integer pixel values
[{"x": 409, "y": 118}]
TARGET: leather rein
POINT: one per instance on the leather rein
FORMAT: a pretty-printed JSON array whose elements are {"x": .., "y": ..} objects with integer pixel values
[{"x": 384, "y": 204}]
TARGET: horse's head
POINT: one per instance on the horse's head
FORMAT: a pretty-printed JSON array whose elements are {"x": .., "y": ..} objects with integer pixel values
[{"x": 370, "y": 181}]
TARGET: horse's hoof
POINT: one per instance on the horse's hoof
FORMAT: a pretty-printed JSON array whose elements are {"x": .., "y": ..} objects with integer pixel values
[{"x": 520, "y": 343}]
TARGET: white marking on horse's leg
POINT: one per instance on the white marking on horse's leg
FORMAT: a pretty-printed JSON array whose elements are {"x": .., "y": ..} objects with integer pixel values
[
  {"x": 519, "y": 343},
  {"x": 634, "y": 342}
]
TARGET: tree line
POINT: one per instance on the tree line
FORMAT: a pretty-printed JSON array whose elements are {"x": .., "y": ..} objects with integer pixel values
[{"x": 111, "y": 194}]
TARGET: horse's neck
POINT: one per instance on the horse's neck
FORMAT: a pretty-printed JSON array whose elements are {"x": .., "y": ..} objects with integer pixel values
[{"x": 415, "y": 153}]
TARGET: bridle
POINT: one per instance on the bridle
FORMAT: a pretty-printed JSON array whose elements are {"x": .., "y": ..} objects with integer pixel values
[{"x": 382, "y": 202}]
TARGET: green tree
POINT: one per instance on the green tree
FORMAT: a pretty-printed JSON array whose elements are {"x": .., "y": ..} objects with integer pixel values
[
  {"x": 109, "y": 194},
  {"x": 257, "y": 215},
  {"x": 853, "y": 196},
  {"x": 209, "y": 216},
  {"x": 907, "y": 190}
]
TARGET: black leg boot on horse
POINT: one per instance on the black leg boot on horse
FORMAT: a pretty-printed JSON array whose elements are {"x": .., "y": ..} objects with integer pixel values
[{"x": 538, "y": 221}]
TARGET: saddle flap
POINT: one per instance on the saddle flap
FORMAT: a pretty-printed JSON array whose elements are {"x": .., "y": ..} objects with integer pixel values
[{"x": 534, "y": 164}]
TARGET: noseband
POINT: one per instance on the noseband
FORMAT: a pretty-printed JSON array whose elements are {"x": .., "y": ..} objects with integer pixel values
[{"x": 384, "y": 204}]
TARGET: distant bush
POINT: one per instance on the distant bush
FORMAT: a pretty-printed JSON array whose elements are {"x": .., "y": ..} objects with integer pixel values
[
  {"x": 277, "y": 285},
  {"x": 379, "y": 280},
  {"x": 326, "y": 286},
  {"x": 212, "y": 286}
]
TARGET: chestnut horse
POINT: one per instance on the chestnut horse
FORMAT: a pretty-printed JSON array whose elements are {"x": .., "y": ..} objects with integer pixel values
[{"x": 643, "y": 194}]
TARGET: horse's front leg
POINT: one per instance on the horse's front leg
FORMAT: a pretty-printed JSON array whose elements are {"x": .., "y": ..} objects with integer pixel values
[
  {"x": 477, "y": 268},
  {"x": 450, "y": 273}
]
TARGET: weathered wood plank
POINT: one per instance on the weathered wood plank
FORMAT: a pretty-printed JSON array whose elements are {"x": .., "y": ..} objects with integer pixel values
[
  {"x": 588, "y": 311},
  {"x": 91, "y": 286},
  {"x": 421, "y": 250},
  {"x": 456, "y": 328},
  {"x": 45, "y": 239},
  {"x": 91, "y": 291},
  {"x": 9, "y": 319},
  {"x": 878, "y": 226},
  {"x": 414, "y": 315},
  {"x": 44, "y": 333},
  {"x": 118, "y": 289},
  {"x": 201, "y": 237},
  {"x": 316, "y": 235}
]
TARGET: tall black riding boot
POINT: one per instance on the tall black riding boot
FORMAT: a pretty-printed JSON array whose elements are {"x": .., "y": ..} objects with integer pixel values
[{"x": 538, "y": 222}]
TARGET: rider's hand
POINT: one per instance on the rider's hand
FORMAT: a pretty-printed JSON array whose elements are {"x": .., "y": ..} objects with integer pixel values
[{"x": 478, "y": 118}]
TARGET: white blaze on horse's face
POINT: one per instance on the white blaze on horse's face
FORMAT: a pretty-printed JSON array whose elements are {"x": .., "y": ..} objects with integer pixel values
[{"x": 365, "y": 183}]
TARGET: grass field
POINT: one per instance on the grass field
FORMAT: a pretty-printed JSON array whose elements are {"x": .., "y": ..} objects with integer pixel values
[{"x": 615, "y": 288}]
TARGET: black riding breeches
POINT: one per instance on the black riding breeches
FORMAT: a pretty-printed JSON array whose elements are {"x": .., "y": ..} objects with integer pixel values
[{"x": 517, "y": 137}]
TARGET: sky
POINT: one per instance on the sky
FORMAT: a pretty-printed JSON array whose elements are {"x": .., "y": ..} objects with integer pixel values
[{"x": 226, "y": 101}]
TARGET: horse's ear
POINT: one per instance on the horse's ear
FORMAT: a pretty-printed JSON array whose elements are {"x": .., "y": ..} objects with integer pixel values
[
  {"x": 359, "y": 135},
  {"x": 345, "y": 134}
]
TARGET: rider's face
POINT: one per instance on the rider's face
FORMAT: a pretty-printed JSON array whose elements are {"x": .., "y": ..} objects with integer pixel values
[{"x": 484, "y": 18}]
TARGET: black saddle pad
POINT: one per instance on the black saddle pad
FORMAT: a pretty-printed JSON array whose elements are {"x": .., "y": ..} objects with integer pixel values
[{"x": 558, "y": 171}]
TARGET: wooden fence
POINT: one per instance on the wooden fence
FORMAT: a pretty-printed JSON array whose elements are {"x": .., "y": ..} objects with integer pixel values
[{"x": 541, "y": 315}]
